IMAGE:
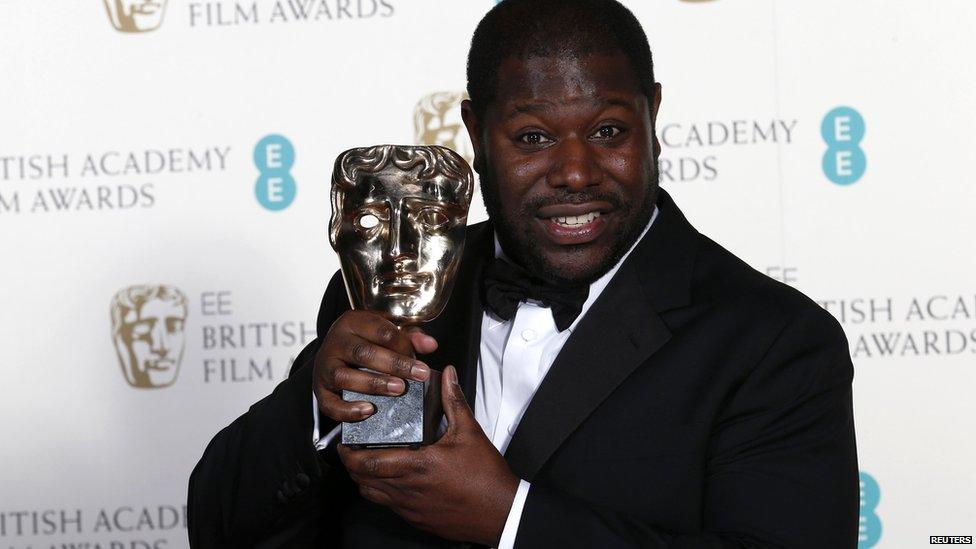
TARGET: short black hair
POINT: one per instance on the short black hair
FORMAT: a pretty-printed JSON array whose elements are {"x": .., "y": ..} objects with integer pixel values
[{"x": 553, "y": 28}]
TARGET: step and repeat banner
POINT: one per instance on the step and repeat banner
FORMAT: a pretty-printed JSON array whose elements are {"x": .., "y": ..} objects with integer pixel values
[{"x": 164, "y": 180}]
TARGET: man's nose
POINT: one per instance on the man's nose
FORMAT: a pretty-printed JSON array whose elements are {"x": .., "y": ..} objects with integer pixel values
[{"x": 574, "y": 165}]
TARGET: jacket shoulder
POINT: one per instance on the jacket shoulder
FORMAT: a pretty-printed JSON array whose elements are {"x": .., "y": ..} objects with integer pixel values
[
  {"x": 722, "y": 281},
  {"x": 789, "y": 346}
]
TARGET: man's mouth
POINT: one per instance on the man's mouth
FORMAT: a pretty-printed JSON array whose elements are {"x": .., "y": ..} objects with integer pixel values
[
  {"x": 575, "y": 220},
  {"x": 574, "y": 224}
]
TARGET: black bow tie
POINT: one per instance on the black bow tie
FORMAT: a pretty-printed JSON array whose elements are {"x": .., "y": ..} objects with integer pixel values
[{"x": 505, "y": 285}]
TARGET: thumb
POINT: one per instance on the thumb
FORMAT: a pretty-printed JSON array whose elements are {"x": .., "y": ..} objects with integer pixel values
[
  {"x": 423, "y": 344},
  {"x": 456, "y": 409}
]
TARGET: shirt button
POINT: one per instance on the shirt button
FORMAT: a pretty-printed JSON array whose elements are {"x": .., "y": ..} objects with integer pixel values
[{"x": 528, "y": 335}]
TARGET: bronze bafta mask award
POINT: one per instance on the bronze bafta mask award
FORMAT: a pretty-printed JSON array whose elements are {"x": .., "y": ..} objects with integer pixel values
[{"x": 398, "y": 225}]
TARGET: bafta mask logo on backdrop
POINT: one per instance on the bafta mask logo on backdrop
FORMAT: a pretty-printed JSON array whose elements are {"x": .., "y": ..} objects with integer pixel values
[
  {"x": 148, "y": 330},
  {"x": 437, "y": 121},
  {"x": 135, "y": 15}
]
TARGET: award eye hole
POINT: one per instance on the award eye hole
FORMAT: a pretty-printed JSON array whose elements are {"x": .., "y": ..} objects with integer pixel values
[
  {"x": 433, "y": 218},
  {"x": 367, "y": 221}
]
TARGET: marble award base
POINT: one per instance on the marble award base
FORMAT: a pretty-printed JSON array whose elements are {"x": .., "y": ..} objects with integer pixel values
[{"x": 411, "y": 419}]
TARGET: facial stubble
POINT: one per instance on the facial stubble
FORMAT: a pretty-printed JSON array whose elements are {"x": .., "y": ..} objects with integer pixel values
[{"x": 514, "y": 235}]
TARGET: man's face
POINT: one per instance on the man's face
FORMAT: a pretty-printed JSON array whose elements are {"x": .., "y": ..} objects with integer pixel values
[
  {"x": 567, "y": 158},
  {"x": 399, "y": 243},
  {"x": 152, "y": 340}
]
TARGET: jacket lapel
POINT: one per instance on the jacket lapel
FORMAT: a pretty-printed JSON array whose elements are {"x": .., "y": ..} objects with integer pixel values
[{"x": 619, "y": 333}]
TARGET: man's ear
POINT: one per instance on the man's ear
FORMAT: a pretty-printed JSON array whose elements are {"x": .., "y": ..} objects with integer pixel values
[
  {"x": 655, "y": 105},
  {"x": 474, "y": 132}
]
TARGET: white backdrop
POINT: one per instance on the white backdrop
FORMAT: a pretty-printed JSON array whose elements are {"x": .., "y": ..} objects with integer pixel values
[{"x": 128, "y": 157}]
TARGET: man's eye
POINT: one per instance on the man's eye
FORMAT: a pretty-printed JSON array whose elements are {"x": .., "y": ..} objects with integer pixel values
[
  {"x": 433, "y": 218},
  {"x": 607, "y": 132},
  {"x": 367, "y": 221},
  {"x": 533, "y": 138}
]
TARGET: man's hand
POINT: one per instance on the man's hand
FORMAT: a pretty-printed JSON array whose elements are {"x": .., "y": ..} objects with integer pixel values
[
  {"x": 364, "y": 338},
  {"x": 459, "y": 488}
]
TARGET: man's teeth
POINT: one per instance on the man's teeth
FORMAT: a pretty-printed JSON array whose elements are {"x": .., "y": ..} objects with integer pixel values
[{"x": 576, "y": 219}]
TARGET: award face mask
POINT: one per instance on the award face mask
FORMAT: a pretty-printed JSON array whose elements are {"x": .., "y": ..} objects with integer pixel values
[{"x": 398, "y": 225}]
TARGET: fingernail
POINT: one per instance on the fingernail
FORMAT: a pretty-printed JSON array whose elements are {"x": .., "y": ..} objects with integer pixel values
[
  {"x": 395, "y": 386},
  {"x": 365, "y": 409},
  {"x": 420, "y": 371},
  {"x": 454, "y": 377}
]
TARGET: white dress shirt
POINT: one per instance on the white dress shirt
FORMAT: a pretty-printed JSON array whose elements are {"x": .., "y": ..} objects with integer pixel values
[{"x": 514, "y": 358}]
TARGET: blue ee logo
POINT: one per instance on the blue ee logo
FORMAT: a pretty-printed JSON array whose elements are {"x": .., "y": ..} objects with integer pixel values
[
  {"x": 843, "y": 129},
  {"x": 275, "y": 188},
  {"x": 869, "y": 527}
]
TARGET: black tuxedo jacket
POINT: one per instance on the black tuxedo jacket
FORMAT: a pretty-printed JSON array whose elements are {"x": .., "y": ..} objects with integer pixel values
[{"x": 697, "y": 404}]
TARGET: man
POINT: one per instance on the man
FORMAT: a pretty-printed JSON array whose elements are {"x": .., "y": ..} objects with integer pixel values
[{"x": 645, "y": 388}]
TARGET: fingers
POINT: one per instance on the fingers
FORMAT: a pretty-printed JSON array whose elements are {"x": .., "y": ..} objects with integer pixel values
[
  {"x": 374, "y": 328},
  {"x": 367, "y": 464},
  {"x": 455, "y": 406},
  {"x": 422, "y": 343},
  {"x": 334, "y": 376},
  {"x": 375, "y": 495},
  {"x": 366, "y": 339},
  {"x": 339, "y": 410},
  {"x": 401, "y": 499},
  {"x": 370, "y": 383},
  {"x": 362, "y": 352}
]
